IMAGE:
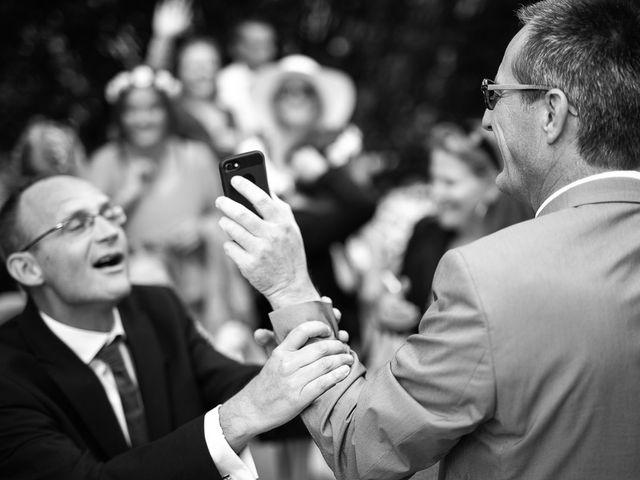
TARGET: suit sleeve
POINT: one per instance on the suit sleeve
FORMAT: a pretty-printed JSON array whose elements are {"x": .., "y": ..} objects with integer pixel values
[{"x": 439, "y": 387}]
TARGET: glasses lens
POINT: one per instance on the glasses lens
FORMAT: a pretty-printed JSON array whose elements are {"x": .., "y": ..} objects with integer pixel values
[
  {"x": 79, "y": 222},
  {"x": 490, "y": 96},
  {"x": 115, "y": 214}
]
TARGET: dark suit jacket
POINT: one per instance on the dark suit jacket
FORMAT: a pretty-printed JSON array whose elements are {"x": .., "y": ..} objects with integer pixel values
[{"x": 56, "y": 421}]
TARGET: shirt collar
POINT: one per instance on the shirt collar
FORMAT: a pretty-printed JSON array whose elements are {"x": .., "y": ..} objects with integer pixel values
[
  {"x": 614, "y": 174},
  {"x": 84, "y": 343}
]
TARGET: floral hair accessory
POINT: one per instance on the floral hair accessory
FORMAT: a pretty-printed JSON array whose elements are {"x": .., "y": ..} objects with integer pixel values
[{"x": 142, "y": 76}]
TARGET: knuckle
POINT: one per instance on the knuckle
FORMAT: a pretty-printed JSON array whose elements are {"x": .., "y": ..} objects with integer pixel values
[
  {"x": 323, "y": 348},
  {"x": 326, "y": 364}
]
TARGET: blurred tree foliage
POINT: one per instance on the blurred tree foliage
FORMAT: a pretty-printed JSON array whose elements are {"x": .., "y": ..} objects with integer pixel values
[{"x": 414, "y": 61}]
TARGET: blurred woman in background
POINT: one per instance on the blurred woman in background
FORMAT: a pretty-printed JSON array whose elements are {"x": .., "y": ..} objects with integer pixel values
[
  {"x": 309, "y": 143},
  {"x": 198, "y": 61},
  {"x": 468, "y": 205},
  {"x": 167, "y": 184}
]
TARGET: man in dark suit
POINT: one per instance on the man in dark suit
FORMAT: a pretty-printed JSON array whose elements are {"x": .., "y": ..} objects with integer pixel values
[
  {"x": 527, "y": 363},
  {"x": 99, "y": 379}
]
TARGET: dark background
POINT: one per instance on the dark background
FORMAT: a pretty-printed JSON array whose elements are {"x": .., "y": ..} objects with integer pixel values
[{"x": 414, "y": 61}]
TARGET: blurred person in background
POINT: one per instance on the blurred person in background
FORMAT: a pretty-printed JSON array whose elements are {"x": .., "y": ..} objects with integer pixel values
[
  {"x": 253, "y": 46},
  {"x": 199, "y": 110},
  {"x": 309, "y": 144},
  {"x": 166, "y": 184},
  {"x": 45, "y": 147},
  {"x": 467, "y": 206}
]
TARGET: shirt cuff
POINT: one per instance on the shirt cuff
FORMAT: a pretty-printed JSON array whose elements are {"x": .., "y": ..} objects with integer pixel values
[
  {"x": 230, "y": 465},
  {"x": 287, "y": 318}
]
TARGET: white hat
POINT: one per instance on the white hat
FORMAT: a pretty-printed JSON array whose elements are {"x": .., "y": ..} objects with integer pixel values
[{"x": 336, "y": 91}]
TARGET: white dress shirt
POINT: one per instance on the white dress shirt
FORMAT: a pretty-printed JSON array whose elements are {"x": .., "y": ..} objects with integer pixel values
[
  {"x": 613, "y": 174},
  {"x": 87, "y": 343}
]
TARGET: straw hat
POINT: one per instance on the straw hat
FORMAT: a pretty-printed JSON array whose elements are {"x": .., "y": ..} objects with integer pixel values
[{"x": 335, "y": 89}]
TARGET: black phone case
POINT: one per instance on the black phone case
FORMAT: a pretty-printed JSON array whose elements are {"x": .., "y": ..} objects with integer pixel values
[{"x": 248, "y": 164}]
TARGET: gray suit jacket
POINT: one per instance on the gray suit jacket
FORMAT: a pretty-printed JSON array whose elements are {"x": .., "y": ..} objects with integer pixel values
[{"x": 526, "y": 366}]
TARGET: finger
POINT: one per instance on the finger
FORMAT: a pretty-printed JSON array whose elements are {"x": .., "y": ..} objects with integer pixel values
[
  {"x": 343, "y": 336},
  {"x": 300, "y": 335},
  {"x": 322, "y": 366},
  {"x": 269, "y": 206},
  {"x": 264, "y": 337},
  {"x": 239, "y": 256},
  {"x": 236, "y": 232},
  {"x": 240, "y": 215},
  {"x": 315, "y": 351},
  {"x": 258, "y": 197},
  {"x": 320, "y": 384}
]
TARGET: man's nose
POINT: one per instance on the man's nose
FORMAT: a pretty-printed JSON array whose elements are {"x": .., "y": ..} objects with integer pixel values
[
  {"x": 105, "y": 230},
  {"x": 486, "y": 120}
]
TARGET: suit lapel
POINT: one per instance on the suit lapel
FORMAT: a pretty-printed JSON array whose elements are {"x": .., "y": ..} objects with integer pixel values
[
  {"x": 76, "y": 380},
  {"x": 150, "y": 364},
  {"x": 605, "y": 190}
]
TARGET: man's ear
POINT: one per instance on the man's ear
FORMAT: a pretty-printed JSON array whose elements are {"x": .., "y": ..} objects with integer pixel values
[
  {"x": 24, "y": 269},
  {"x": 556, "y": 114}
]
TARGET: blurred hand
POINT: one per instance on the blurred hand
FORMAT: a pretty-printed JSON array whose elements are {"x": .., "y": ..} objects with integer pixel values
[
  {"x": 294, "y": 376},
  {"x": 308, "y": 164},
  {"x": 395, "y": 313},
  {"x": 185, "y": 236},
  {"x": 172, "y": 18},
  {"x": 269, "y": 250},
  {"x": 348, "y": 144}
]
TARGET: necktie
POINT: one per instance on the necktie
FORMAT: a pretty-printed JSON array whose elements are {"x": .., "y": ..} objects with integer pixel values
[{"x": 129, "y": 392}]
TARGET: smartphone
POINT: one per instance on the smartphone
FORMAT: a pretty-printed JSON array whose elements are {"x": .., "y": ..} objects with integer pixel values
[{"x": 251, "y": 166}]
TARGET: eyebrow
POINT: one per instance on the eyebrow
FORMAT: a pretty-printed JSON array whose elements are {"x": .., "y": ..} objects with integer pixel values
[{"x": 101, "y": 206}]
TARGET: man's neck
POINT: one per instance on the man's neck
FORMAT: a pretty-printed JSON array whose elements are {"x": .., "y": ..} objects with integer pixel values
[
  {"x": 560, "y": 177},
  {"x": 95, "y": 317}
]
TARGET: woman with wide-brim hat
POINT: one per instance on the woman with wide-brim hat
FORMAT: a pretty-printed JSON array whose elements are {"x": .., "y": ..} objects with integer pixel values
[{"x": 305, "y": 111}]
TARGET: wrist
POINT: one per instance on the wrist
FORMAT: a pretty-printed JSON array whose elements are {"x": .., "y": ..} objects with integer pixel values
[
  {"x": 302, "y": 292},
  {"x": 237, "y": 424}
]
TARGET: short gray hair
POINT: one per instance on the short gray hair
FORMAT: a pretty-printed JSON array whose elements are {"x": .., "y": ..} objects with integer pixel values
[{"x": 590, "y": 49}]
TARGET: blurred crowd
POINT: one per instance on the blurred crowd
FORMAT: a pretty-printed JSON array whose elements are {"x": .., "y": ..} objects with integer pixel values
[{"x": 372, "y": 244}]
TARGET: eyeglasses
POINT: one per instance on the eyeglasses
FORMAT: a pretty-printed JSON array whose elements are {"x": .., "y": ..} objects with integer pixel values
[
  {"x": 80, "y": 222},
  {"x": 492, "y": 92}
]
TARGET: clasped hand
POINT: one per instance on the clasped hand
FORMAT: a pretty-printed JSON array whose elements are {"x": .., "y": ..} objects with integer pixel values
[{"x": 294, "y": 376}]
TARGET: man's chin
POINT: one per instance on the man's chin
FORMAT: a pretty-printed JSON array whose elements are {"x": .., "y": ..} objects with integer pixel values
[{"x": 119, "y": 289}]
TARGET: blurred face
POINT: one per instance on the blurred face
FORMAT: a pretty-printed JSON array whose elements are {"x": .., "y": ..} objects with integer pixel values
[
  {"x": 198, "y": 68},
  {"x": 457, "y": 191},
  {"x": 296, "y": 104},
  {"x": 55, "y": 150},
  {"x": 83, "y": 267},
  {"x": 512, "y": 123},
  {"x": 256, "y": 45},
  {"x": 145, "y": 120}
]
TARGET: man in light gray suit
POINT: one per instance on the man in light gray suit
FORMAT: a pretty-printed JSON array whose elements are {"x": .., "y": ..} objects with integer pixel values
[{"x": 527, "y": 364}]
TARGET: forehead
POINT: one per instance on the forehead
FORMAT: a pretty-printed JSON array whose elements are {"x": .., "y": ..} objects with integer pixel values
[
  {"x": 141, "y": 97},
  {"x": 505, "y": 71},
  {"x": 49, "y": 201},
  {"x": 256, "y": 32},
  {"x": 199, "y": 51}
]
